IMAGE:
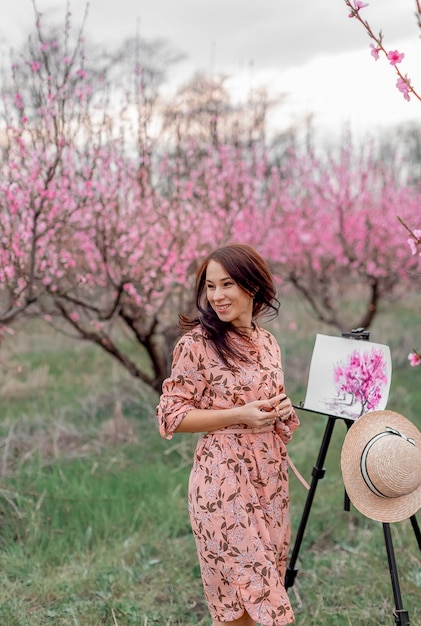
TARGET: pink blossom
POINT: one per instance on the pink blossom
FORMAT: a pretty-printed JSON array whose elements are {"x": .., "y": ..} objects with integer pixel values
[
  {"x": 414, "y": 358},
  {"x": 74, "y": 316},
  {"x": 44, "y": 46},
  {"x": 357, "y": 6},
  {"x": 395, "y": 57},
  {"x": 35, "y": 66},
  {"x": 374, "y": 52},
  {"x": 415, "y": 241},
  {"x": 404, "y": 86}
]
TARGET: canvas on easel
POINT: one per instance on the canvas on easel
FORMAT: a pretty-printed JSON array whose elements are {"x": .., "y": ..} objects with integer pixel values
[{"x": 348, "y": 378}]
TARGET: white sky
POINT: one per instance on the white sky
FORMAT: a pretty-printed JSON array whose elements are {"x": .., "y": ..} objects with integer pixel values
[{"x": 308, "y": 49}]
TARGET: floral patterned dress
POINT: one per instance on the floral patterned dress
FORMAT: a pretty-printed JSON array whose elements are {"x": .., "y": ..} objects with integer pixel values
[{"x": 238, "y": 488}]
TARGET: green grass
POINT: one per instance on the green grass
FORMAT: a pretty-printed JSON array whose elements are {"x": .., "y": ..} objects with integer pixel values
[{"x": 93, "y": 503}]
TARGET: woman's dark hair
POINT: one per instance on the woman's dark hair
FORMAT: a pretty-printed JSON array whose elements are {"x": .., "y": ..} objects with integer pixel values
[{"x": 247, "y": 268}]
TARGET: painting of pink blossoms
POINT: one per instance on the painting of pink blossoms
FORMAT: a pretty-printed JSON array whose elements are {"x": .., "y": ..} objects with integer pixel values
[{"x": 348, "y": 377}]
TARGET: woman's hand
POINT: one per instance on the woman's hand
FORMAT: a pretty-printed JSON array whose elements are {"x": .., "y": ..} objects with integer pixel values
[
  {"x": 261, "y": 413},
  {"x": 283, "y": 406}
]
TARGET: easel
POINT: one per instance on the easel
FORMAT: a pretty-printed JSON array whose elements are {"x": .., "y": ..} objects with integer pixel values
[{"x": 400, "y": 614}]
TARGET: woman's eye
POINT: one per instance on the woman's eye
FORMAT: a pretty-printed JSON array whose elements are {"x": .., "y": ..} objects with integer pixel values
[{"x": 224, "y": 285}]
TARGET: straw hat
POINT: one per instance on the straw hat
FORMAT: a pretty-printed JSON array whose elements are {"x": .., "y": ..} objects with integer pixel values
[{"x": 381, "y": 466}]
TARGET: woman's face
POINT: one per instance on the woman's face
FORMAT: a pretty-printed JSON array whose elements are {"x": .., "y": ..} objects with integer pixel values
[{"x": 229, "y": 301}]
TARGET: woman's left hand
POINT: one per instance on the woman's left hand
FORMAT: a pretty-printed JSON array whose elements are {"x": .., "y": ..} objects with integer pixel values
[{"x": 282, "y": 406}]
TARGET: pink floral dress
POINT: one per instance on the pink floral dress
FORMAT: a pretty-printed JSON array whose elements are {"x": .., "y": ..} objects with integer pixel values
[{"x": 238, "y": 488}]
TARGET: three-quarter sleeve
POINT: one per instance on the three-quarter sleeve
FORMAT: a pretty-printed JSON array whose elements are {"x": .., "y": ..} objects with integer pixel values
[{"x": 183, "y": 390}]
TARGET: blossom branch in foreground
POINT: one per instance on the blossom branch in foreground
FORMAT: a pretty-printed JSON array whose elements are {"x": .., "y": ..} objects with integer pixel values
[
  {"x": 394, "y": 57},
  {"x": 403, "y": 83}
]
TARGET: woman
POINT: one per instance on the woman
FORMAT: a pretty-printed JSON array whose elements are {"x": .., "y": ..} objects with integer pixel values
[{"x": 227, "y": 381}]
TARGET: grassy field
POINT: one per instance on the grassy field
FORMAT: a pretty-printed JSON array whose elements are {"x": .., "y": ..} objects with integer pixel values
[{"x": 93, "y": 514}]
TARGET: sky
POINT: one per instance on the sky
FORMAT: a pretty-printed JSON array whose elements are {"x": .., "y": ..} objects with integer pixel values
[{"x": 309, "y": 51}]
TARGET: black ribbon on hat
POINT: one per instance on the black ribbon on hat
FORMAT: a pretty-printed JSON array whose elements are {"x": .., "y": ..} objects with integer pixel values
[{"x": 363, "y": 463}]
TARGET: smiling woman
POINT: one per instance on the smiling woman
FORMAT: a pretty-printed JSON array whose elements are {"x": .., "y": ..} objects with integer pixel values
[{"x": 227, "y": 381}]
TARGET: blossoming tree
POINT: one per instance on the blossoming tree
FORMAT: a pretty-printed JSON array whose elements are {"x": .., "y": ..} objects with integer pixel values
[
  {"x": 338, "y": 232},
  {"x": 100, "y": 226}
]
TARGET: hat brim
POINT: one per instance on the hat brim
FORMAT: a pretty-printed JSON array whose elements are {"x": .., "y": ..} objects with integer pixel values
[{"x": 364, "y": 500}]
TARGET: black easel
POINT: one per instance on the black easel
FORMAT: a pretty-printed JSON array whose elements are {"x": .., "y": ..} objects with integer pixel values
[{"x": 400, "y": 614}]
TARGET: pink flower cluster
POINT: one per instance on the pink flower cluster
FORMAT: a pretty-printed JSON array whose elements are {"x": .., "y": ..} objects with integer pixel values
[{"x": 394, "y": 56}]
